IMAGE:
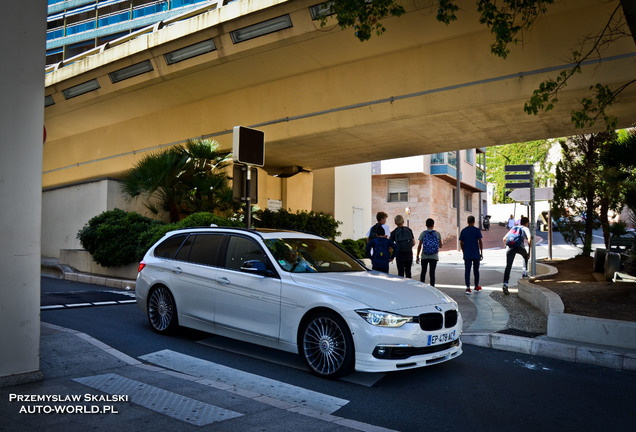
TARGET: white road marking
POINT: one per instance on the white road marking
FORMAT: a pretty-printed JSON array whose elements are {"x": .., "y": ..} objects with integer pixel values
[{"x": 246, "y": 381}]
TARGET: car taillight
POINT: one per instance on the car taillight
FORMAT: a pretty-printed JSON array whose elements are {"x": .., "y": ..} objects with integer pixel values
[{"x": 141, "y": 266}]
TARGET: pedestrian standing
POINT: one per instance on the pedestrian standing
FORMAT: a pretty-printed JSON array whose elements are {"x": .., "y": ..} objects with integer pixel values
[
  {"x": 511, "y": 221},
  {"x": 514, "y": 240},
  {"x": 403, "y": 237},
  {"x": 473, "y": 248},
  {"x": 380, "y": 249},
  {"x": 430, "y": 241},
  {"x": 381, "y": 217}
]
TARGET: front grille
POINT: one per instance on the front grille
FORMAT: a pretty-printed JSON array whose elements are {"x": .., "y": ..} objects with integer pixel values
[
  {"x": 400, "y": 353},
  {"x": 431, "y": 321},
  {"x": 450, "y": 318}
]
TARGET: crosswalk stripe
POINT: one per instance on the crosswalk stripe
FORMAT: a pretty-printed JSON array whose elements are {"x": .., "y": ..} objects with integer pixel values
[
  {"x": 159, "y": 400},
  {"x": 244, "y": 380}
]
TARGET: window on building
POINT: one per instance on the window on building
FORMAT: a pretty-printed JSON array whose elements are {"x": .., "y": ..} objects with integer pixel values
[
  {"x": 398, "y": 190},
  {"x": 452, "y": 159},
  {"x": 437, "y": 159},
  {"x": 469, "y": 156},
  {"x": 468, "y": 202},
  {"x": 454, "y": 198}
]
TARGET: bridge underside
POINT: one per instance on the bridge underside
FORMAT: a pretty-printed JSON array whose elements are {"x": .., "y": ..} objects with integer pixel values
[{"x": 323, "y": 98}]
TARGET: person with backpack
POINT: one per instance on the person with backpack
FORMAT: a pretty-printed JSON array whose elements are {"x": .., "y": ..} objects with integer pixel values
[
  {"x": 381, "y": 217},
  {"x": 429, "y": 243},
  {"x": 514, "y": 242},
  {"x": 473, "y": 249},
  {"x": 403, "y": 237},
  {"x": 380, "y": 249}
]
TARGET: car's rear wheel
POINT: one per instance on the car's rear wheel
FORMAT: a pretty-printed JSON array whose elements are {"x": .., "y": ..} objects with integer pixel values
[
  {"x": 162, "y": 310},
  {"x": 327, "y": 345}
]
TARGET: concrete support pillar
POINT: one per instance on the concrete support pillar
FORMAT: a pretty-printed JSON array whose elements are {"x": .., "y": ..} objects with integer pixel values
[
  {"x": 297, "y": 192},
  {"x": 22, "y": 43}
]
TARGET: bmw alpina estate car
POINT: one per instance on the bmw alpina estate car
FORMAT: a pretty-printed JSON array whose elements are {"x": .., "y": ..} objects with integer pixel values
[{"x": 297, "y": 292}]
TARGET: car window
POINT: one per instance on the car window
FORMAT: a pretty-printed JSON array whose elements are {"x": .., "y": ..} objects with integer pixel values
[
  {"x": 205, "y": 249},
  {"x": 170, "y": 246},
  {"x": 184, "y": 252},
  {"x": 241, "y": 249},
  {"x": 311, "y": 256}
]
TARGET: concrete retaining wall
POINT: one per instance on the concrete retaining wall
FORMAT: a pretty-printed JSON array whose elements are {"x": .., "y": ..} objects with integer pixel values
[
  {"x": 82, "y": 261},
  {"x": 599, "y": 331}
]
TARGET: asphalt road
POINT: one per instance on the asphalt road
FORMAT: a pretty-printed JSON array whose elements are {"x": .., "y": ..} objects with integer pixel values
[{"x": 482, "y": 390}]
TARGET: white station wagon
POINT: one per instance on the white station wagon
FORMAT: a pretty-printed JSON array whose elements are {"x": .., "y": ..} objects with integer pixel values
[{"x": 297, "y": 292}]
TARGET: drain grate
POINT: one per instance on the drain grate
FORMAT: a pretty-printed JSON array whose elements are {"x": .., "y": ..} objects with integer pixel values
[{"x": 522, "y": 333}]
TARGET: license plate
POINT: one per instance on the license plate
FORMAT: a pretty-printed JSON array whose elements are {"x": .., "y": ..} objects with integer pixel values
[{"x": 441, "y": 338}]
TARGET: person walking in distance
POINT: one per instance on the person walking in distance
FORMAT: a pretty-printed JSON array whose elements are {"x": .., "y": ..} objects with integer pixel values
[
  {"x": 513, "y": 240},
  {"x": 473, "y": 249},
  {"x": 429, "y": 243},
  {"x": 403, "y": 237},
  {"x": 511, "y": 221}
]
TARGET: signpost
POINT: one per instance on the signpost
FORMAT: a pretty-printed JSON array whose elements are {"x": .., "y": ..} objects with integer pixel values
[
  {"x": 524, "y": 179},
  {"x": 248, "y": 148}
]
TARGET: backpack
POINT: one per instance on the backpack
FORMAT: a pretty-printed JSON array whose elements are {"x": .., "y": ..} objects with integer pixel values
[
  {"x": 403, "y": 239},
  {"x": 514, "y": 238},
  {"x": 376, "y": 230},
  {"x": 430, "y": 243}
]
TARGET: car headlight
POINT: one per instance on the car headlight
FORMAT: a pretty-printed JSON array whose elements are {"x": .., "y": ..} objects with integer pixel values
[{"x": 383, "y": 319}]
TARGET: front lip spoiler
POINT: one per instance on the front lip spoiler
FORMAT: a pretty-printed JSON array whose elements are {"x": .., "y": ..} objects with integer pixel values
[{"x": 404, "y": 351}]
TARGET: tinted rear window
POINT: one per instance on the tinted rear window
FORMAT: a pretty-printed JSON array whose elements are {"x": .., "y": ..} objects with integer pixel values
[
  {"x": 169, "y": 247},
  {"x": 205, "y": 249}
]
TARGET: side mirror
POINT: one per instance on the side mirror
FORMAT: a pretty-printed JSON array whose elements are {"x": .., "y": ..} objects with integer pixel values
[{"x": 256, "y": 267}]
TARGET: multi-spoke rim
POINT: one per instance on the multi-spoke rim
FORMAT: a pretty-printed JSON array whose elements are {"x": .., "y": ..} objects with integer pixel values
[
  {"x": 161, "y": 309},
  {"x": 324, "y": 345}
]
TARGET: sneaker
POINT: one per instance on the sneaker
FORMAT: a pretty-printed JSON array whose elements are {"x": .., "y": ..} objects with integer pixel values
[
  {"x": 525, "y": 275},
  {"x": 505, "y": 289},
  {"x": 468, "y": 291},
  {"x": 478, "y": 288}
]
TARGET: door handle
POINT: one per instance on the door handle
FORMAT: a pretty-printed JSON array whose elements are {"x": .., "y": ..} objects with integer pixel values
[
  {"x": 177, "y": 270},
  {"x": 223, "y": 280}
]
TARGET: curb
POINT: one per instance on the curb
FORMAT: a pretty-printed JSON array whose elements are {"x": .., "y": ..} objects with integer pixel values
[
  {"x": 561, "y": 350},
  {"x": 70, "y": 274}
]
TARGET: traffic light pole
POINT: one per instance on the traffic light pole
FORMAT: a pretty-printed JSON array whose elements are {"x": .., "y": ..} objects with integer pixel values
[{"x": 248, "y": 199}]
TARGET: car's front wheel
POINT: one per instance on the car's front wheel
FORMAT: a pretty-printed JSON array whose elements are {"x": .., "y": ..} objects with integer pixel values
[
  {"x": 327, "y": 345},
  {"x": 162, "y": 310}
]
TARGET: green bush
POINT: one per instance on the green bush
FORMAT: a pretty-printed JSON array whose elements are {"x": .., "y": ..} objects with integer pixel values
[
  {"x": 357, "y": 248},
  {"x": 112, "y": 237},
  {"x": 318, "y": 223},
  {"x": 205, "y": 220}
]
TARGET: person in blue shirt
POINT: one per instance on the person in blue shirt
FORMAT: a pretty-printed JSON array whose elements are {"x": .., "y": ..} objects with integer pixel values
[
  {"x": 381, "y": 249},
  {"x": 473, "y": 249}
]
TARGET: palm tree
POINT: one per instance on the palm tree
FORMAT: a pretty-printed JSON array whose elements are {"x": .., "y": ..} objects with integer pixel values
[{"x": 182, "y": 180}]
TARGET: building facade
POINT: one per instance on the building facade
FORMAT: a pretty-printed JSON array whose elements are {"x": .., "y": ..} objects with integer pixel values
[
  {"x": 76, "y": 26},
  {"x": 422, "y": 187}
]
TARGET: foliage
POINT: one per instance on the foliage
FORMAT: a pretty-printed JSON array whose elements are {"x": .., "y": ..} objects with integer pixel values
[
  {"x": 116, "y": 238},
  {"x": 584, "y": 192},
  {"x": 363, "y": 16},
  {"x": 507, "y": 20},
  {"x": 112, "y": 237},
  {"x": 357, "y": 248},
  {"x": 533, "y": 152},
  {"x": 182, "y": 180},
  {"x": 318, "y": 223},
  {"x": 620, "y": 154}
]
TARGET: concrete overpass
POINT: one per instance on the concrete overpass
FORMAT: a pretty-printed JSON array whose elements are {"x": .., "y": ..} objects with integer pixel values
[{"x": 322, "y": 97}]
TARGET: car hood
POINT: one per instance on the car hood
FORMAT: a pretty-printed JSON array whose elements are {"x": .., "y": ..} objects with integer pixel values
[{"x": 376, "y": 290}]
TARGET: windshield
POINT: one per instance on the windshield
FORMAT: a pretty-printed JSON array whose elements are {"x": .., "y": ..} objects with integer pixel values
[{"x": 311, "y": 256}]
